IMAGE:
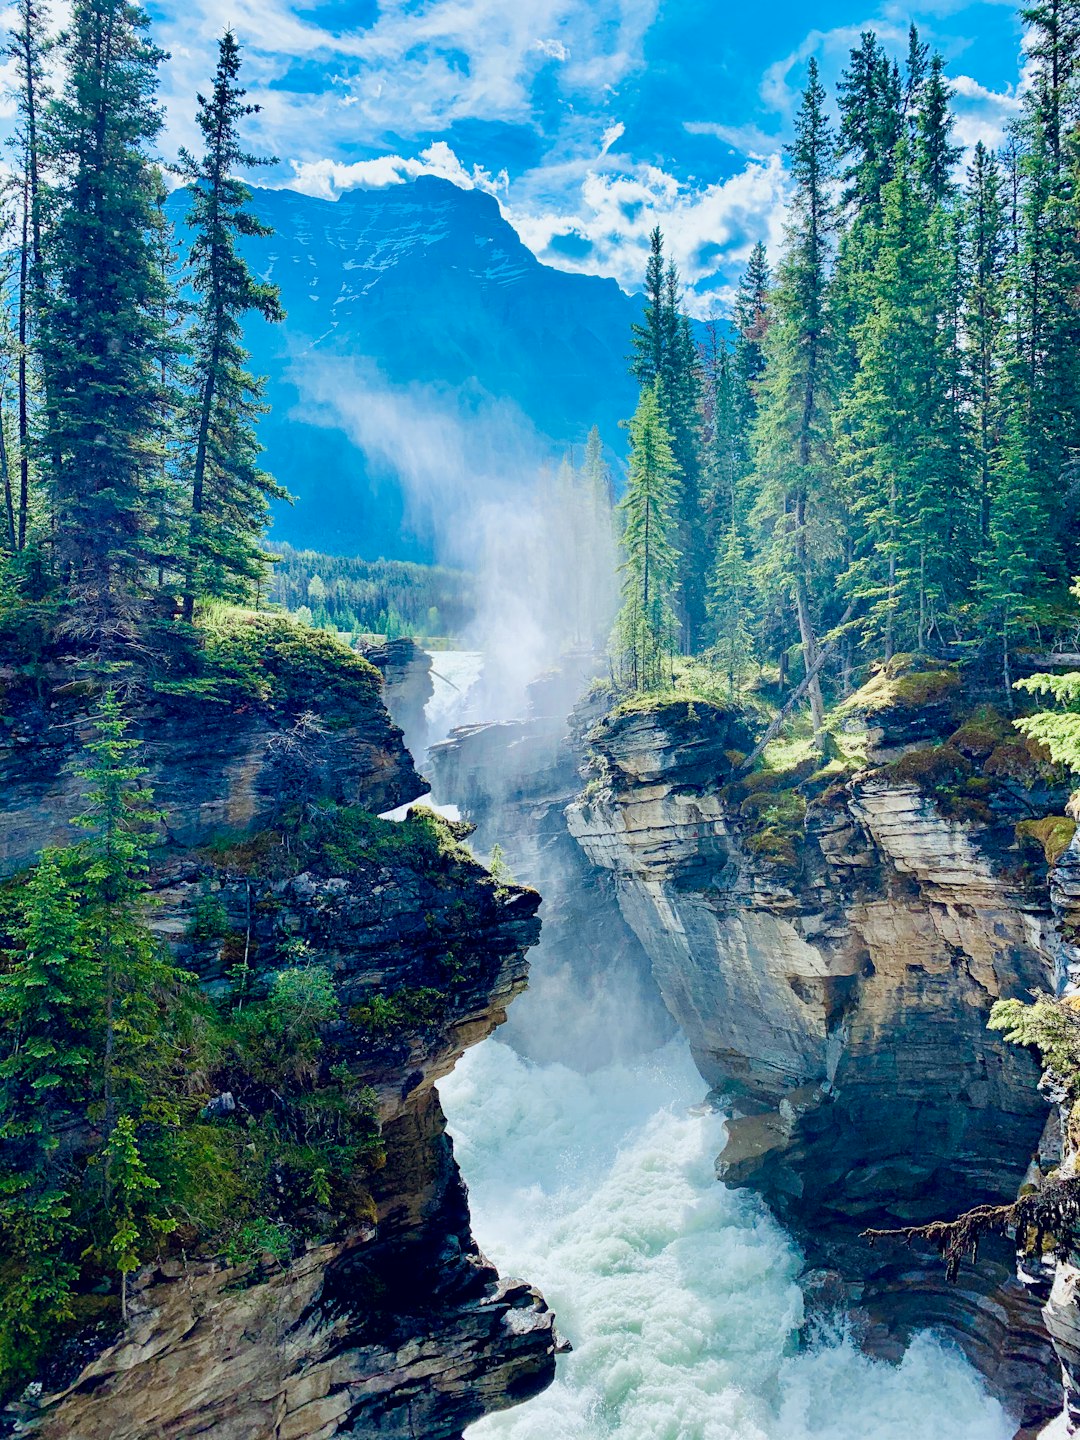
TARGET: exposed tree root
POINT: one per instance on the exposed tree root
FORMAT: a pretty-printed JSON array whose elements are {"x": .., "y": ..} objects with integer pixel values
[{"x": 1047, "y": 1219}]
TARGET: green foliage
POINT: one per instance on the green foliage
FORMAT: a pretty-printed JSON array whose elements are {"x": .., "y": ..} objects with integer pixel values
[
  {"x": 1057, "y": 729},
  {"x": 404, "y": 1010},
  {"x": 244, "y": 656},
  {"x": 373, "y": 596},
  {"x": 209, "y": 920},
  {"x": 261, "y": 1238},
  {"x": 645, "y": 631},
  {"x": 229, "y": 494},
  {"x": 1048, "y": 1025},
  {"x": 101, "y": 334}
]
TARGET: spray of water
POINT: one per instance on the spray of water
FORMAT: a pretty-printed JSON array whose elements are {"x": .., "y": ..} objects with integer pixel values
[
  {"x": 490, "y": 495},
  {"x": 678, "y": 1294}
]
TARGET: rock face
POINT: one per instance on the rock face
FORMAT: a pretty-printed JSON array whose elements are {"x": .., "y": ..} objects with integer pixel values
[
  {"x": 395, "y": 1325},
  {"x": 841, "y": 1001},
  {"x": 214, "y": 768},
  {"x": 407, "y": 687}
]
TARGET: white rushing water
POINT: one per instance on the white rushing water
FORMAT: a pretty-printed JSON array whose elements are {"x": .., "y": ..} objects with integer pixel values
[
  {"x": 455, "y": 674},
  {"x": 677, "y": 1293}
]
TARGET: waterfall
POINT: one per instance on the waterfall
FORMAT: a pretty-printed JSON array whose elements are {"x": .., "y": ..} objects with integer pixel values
[{"x": 678, "y": 1294}]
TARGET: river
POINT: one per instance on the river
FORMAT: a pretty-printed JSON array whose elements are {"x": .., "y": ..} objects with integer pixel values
[{"x": 678, "y": 1294}]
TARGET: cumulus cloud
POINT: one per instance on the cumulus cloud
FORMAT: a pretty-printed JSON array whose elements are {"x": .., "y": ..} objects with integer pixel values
[
  {"x": 710, "y": 229},
  {"x": 327, "y": 178},
  {"x": 983, "y": 114}
]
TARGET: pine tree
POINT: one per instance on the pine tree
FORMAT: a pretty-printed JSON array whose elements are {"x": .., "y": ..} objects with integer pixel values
[
  {"x": 133, "y": 973},
  {"x": 986, "y": 264},
  {"x": 48, "y": 1008},
  {"x": 871, "y": 122},
  {"x": 732, "y": 591},
  {"x": 794, "y": 510},
  {"x": 935, "y": 154},
  {"x": 230, "y": 494},
  {"x": 101, "y": 337},
  {"x": 28, "y": 47},
  {"x": 645, "y": 630},
  {"x": 751, "y": 317},
  {"x": 898, "y": 424},
  {"x": 652, "y": 338}
]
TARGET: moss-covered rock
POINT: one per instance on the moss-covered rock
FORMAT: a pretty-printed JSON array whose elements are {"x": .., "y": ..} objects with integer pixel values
[{"x": 1052, "y": 835}]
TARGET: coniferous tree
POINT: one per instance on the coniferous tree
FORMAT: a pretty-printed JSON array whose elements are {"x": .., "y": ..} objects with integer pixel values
[
  {"x": 645, "y": 630},
  {"x": 230, "y": 494},
  {"x": 751, "y": 317},
  {"x": 986, "y": 265},
  {"x": 794, "y": 510},
  {"x": 899, "y": 446},
  {"x": 28, "y": 46},
  {"x": 101, "y": 332}
]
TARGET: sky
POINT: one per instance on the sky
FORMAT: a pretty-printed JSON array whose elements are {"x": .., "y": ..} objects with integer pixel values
[{"x": 590, "y": 120}]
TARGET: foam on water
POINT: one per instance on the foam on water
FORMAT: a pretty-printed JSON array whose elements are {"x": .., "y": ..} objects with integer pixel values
[{"x": 677, "y": 1293}]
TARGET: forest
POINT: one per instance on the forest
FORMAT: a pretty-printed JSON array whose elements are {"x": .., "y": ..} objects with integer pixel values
[
  {"x": 381, "y": 597},
  {"x": 881, "y": 458}
]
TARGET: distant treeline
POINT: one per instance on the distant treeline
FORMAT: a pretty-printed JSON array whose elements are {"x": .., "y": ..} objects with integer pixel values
[{"x": 387, "y": 597}]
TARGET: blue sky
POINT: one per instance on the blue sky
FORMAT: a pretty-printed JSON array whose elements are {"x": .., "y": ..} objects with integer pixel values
[{"x": 590, "y": 120}]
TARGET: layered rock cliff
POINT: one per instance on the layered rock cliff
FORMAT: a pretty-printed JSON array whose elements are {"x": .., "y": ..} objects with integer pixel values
[
  {"x": 384, "y": 1318},
  {"x": 831, "y": 946}
]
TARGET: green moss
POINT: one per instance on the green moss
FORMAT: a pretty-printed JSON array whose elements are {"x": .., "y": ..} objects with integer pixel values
[
  {"x": 933, "y": 768},
  {"x": 1052, "y": 834},
  {"x": 341, "y": 840},
  {"x": 239, "y": 656},
  {"x": 981, "y": 733},
  {"x": 900, "y": 686},
  {"x": 777, "y": 824},
  {"x": 1022, "y": 759}
]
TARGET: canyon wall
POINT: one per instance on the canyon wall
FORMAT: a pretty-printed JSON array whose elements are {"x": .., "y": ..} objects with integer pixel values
[
  {"x": 830, "y": 941},
  {"x": 390, "y": 1322}
]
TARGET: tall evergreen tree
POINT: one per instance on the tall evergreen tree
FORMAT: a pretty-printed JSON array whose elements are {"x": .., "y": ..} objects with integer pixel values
[
  {"x": 230, "y": 494},
  {"x": 645, "y": 630},
  {"x": 101, "y": 330},
  {"x": 986, "y": 265},
  {"x": 28, "y": 46},
  {"x": 794, "y": 510},
  {"x": 751, "y": 317}
]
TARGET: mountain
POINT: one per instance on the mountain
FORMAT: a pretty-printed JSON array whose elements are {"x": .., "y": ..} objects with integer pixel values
[{"x": 424, "y": 345}]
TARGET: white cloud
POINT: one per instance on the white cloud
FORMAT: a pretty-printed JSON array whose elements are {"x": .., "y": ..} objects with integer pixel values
[
  {"x": 708, "y": 228},
  {"x": 413, "y": 71},
  {"x": 553, "y": 49},
  {"x": 327, "y": 178},
  {"x": 612, "y": 135},
  {"x": 983, "y": 114},
  {"x": 745, "y": 139}
]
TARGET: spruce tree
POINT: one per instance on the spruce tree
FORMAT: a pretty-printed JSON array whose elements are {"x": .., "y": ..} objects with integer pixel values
[
  {"x": 751, "y": 318},
  {"x": 645, "y": 630},
  {"x": 795, "y": 512},
  {"x": 230, "y": 494},
  {"x": 28, "y": 46},
  {"x": 101, "y": 337},
  {"x": 985, "y": 301}
]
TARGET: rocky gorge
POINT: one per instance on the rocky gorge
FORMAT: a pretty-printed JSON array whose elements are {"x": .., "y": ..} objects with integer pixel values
[
  {"x": 385, "y": 1318},
  {"x": 830, "y": 938}
]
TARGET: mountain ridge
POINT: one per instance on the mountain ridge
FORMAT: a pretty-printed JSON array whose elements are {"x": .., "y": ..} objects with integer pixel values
[{"x": 417, "y": 308}]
